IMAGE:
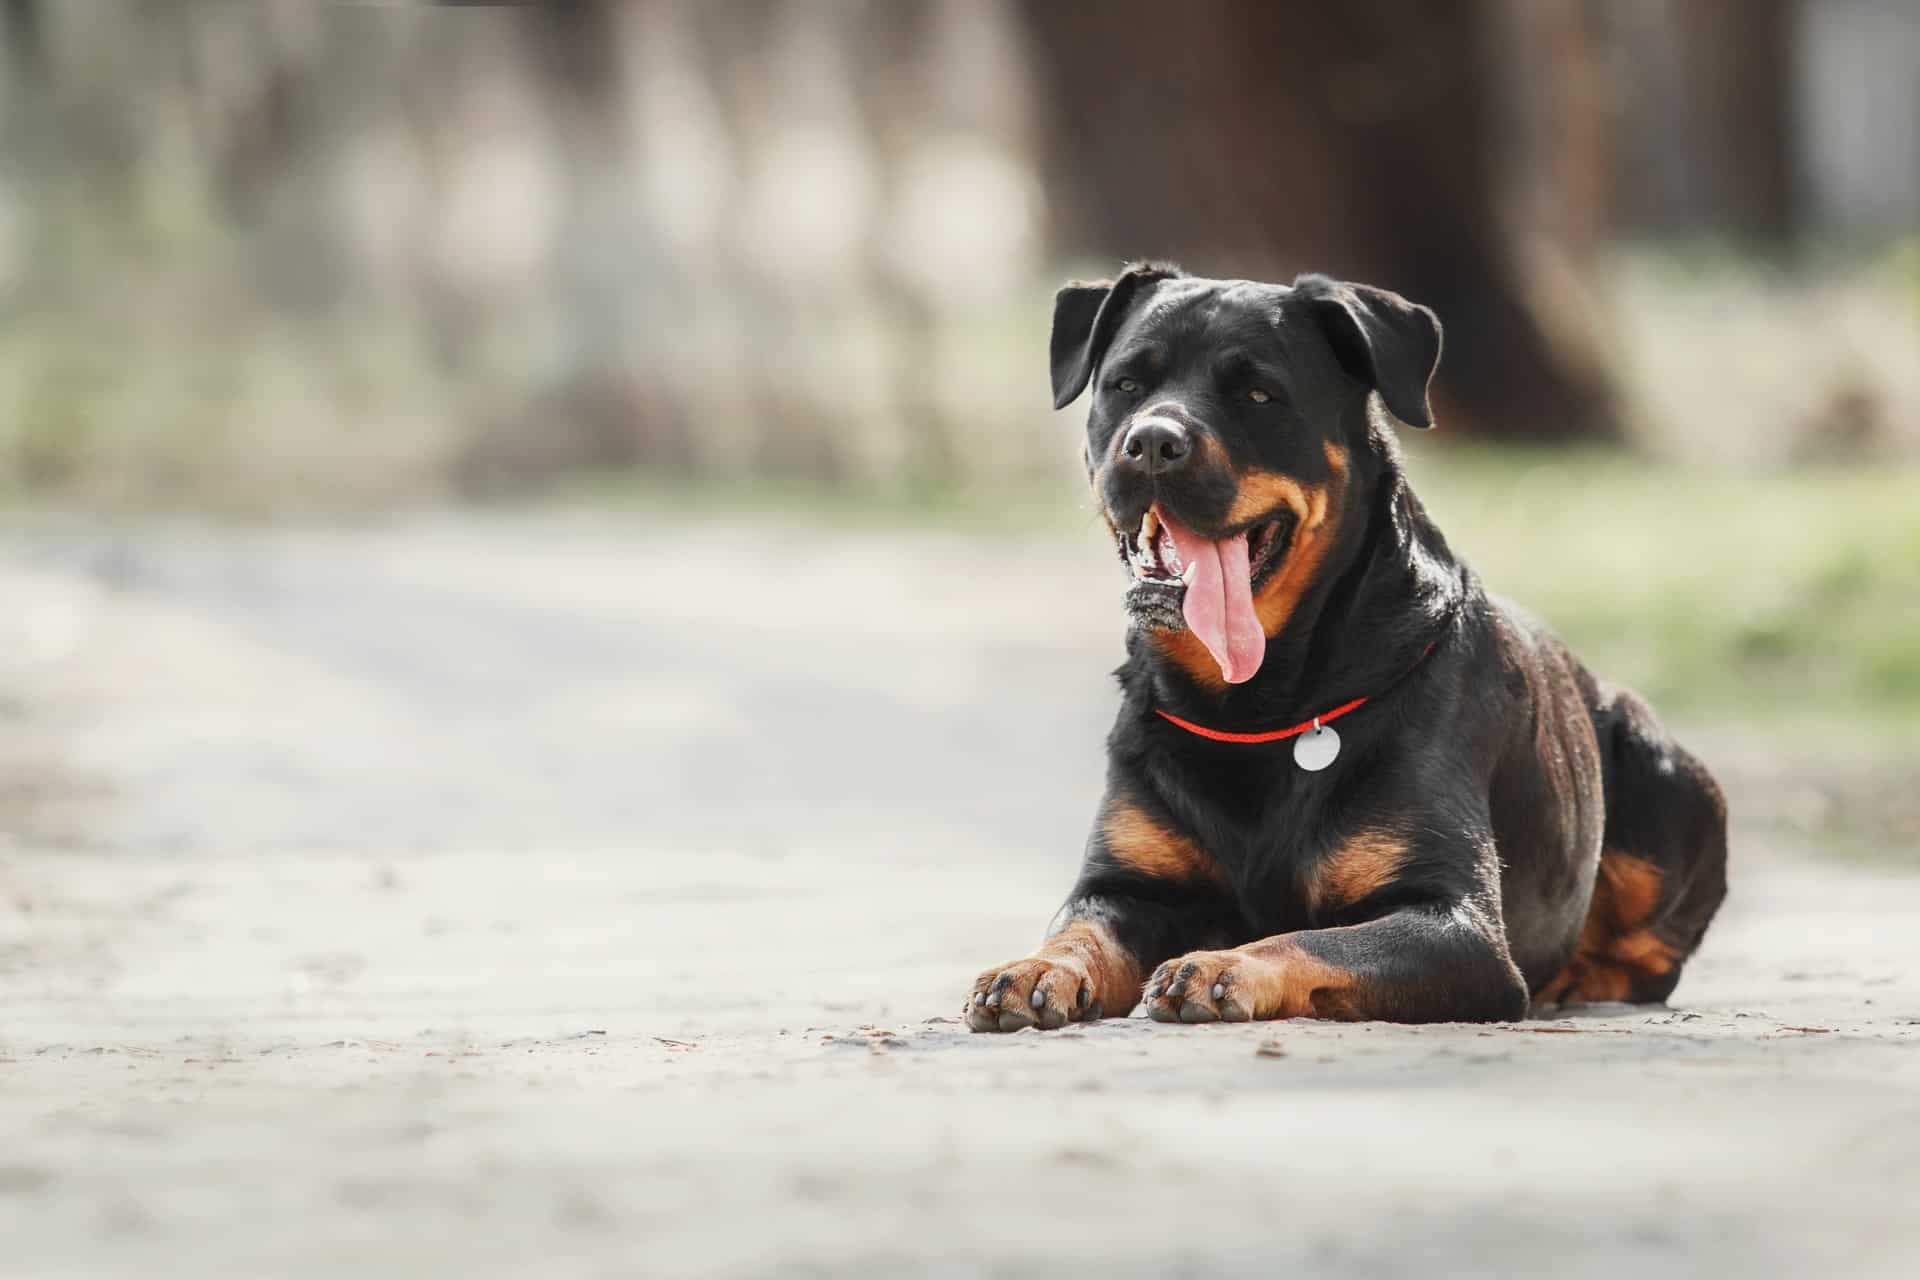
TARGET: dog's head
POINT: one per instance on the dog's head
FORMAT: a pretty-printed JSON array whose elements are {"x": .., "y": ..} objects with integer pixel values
[{"x": 1219, "y": 439}]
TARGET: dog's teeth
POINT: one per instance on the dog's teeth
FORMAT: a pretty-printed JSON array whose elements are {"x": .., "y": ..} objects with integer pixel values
[
  {"x": 1186, "y": 575},
  {"x": 1149, "y": 526}
]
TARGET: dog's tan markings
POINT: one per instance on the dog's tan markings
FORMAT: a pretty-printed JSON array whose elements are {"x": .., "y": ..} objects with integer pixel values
[
  {"x": 1262, "y": 492},
  {"x": 1107, "y": 965},
  {"x": 1184, "y": 650},
  {"x": 1616, "y": 947},
  {"x": 1317, "y": 511},
  {"x": 1627, "y": 888},
  {"x": 1273, "y": 978},
  {"x": 1137, "y": 841},
  {"x": 1584, "y": 983},
  {"x": 1083, "y": 959},
  {"x": 1362, "y": 865},
  {"x": 1288, "y": 981},
  {"x": 1643, "y": 950},
  {"x": 1210, "y": 449}
]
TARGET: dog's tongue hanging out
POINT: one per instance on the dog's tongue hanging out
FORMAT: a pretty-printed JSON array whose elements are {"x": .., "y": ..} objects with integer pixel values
[{"x": 1219, "y": 599}]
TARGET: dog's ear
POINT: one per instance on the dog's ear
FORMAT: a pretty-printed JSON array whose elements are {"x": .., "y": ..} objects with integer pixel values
[
  {"x": 1085, "y": 318},
  {"x": 1385, "y": 341}
]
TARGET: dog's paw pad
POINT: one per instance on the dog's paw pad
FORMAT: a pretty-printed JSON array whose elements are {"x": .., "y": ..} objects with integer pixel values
[
  {"x": 1034, "y": 992},
  {"x": 1204, "y": 986}
]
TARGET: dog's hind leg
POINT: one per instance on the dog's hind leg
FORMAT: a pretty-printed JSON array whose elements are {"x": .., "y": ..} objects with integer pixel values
[{"x": 1663, "y": 867}]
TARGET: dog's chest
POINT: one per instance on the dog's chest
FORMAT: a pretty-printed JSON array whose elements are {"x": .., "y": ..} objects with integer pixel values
[
  {"x": 1273, "y": 853},
  {"x": 1277, "y": 877}
]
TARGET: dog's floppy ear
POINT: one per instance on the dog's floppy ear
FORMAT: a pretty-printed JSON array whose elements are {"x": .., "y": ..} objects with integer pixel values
[
  {"x": 1385, "y": 341},
  {"x": 1085, "y": 317}
]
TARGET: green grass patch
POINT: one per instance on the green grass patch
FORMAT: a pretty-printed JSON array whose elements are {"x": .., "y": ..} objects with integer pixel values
[{"x": 1780, "y": 598}]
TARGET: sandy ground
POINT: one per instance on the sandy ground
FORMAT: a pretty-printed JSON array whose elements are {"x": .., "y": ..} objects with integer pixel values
[{"x": 572, "y": 896}]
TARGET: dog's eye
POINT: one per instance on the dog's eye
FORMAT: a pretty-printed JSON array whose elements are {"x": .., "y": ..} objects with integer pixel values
[
  {"x": 1258, "y": 396},
  {"x": 1126, "y": 386}
]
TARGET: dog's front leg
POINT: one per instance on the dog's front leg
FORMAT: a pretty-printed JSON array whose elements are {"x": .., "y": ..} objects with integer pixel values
[
  {"x": 1440, "y": 962},
  {"x": 1146, "y": 891},
  {"x": 1081, "y": 971},
  {"x": 1091, "y": 963}
]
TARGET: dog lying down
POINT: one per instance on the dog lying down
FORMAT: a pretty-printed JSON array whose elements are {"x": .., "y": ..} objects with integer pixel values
[{"x": 1344, "y": 782}]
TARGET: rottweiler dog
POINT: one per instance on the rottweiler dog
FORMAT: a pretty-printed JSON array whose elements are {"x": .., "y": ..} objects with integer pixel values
[{"x": 1345, "y": 782}]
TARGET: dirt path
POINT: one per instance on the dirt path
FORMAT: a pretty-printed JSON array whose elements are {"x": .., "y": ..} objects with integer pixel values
[{"x": 568, "y": 896}]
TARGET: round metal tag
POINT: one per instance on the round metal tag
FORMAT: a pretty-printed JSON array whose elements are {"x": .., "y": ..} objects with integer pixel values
[{"x": 1316, "y": 749}]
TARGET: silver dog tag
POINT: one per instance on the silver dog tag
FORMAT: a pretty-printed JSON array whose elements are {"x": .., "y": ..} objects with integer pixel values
[{"x": 1316, "y": 749}]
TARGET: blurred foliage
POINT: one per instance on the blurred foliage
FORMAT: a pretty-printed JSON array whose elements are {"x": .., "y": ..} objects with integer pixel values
[
  {"x": 1784, "y": 599},
  {"x": 1735, "y": 357},
  {"x": 1729, "y": 360},
  {"x": 1778, "y": 598},
  {"x": 261, "y": 257},
  {"x": 256, "y": 259}
]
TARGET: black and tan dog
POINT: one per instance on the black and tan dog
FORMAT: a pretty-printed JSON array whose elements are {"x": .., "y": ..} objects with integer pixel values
[{"x": 1345, "y": 782}]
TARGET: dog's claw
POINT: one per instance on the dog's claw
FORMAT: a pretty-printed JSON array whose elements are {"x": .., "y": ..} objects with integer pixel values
[{"x": 1038, "y": 991}]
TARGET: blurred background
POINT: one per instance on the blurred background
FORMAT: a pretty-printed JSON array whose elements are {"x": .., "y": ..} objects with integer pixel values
[
  {"x": 261, "y": 255},
  {"x": 281, "y": 260},
  {"x": 546, "y": 520}
]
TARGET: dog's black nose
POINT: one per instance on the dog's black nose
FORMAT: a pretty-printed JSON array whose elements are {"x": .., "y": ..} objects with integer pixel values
[{"x": 1156, "y": 446}]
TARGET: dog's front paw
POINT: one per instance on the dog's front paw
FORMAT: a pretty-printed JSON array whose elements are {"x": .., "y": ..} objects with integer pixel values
[
  {"x": 1039, "y": 991},
  {"x": 1208, "y": 986}
]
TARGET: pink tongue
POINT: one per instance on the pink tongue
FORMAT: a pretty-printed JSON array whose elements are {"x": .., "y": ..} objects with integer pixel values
[{"x": 1219, "y": 600}]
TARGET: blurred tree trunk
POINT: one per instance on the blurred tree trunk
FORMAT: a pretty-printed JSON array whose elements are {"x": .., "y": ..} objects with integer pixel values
[
  {"x": 1243, "y": 137},
  {"x": 1708, "y": 116}
]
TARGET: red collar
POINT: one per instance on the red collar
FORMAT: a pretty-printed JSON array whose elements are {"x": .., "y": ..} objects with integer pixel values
[{"x": 1293, "y": 731}]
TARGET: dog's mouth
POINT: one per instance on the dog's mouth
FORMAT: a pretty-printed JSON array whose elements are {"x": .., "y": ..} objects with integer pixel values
[
  {"x": 1184, "y": 581},
  {"x": 1153, "y": 555}
]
